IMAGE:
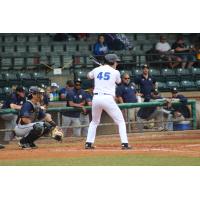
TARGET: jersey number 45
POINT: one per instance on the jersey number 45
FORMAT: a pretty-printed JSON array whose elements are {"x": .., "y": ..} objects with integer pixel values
[{"x": 103, "y": 75}]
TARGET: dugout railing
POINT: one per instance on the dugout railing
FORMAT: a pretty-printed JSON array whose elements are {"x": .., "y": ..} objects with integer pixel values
[{"x": 59, "y": 110}]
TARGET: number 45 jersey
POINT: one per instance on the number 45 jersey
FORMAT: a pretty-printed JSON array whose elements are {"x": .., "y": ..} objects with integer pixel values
[{"x": 105, "y": 78}]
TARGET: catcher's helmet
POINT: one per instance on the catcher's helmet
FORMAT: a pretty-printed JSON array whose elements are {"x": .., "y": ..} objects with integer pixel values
[
  {"x": 35, "y": 90},
  {"x": 20, "y": 89}
]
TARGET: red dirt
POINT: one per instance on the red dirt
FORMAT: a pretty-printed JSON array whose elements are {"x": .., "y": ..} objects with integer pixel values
[{"x": 182, "y": 144}]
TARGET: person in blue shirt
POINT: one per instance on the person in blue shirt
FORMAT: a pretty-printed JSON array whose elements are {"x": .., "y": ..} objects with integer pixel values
[
  {"x": 100, "y": 48},
  {"x": 15, "y": 101},
  {"x": 146, "y": 82},
  {"x": 64, "y": 91},
  {"x": 75, "y": 98},
  {"x": 126, "y": 93},
  {"x": 33, "y": 122}
]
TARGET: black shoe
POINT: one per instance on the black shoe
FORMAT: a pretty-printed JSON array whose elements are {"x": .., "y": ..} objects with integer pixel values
[
  {"x": 24, "y": 145},
  {"x": 88, "y": 145},
  {"x": 126, "y": 146},
  {"x": 33, "y": 145},
  {"x": 1, "y": 146}
]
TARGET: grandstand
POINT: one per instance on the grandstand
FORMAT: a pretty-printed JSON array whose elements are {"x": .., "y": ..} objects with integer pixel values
[{"x": 30, "y": 59}]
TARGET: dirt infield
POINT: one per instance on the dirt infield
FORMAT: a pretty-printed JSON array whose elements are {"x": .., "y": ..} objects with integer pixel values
[{"x": 185, "y": 144}]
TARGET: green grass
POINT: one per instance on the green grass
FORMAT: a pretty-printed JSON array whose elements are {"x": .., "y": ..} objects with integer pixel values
[{"x": 125, "y": 160}]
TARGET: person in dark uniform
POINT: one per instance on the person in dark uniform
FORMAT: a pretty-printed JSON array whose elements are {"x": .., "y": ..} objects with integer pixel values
[
  {"x": 126, "y": 93},
  {"x": 148, "y": 113},
  {"x": 33, "y": 122},
  {"x": 64, "y": 91},
  {"x": 146, "y": 82},
  {"x": 75, "y": 98},
  {"x": 180, "y": 111},
  {"x": 15, "y": 101}
]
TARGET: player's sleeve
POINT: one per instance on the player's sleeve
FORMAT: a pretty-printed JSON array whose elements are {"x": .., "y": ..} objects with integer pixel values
[
  {"x": 25, "y": 110},
  {"x": 90, "y": 75},
  {"x": 118, "y": 78}
]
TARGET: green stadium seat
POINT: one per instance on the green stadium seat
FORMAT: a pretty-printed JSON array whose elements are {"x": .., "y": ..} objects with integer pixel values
[
  {"x": 137, "y": 72},
  {"x": 11, "y": 79},
  {"x": 44, "y": 38},
  {"x": 21, "y": 38},
  {"x": 9, "y": 39},
  {"x": 33, "y": 49},
  {"x": 9, "y": 49},
  {"x": 196, "y": 73},
  {"x": 84, "y": 48},
  {"x": 19, "y": 63},
  {"x": 45, "y": 49},
  {"x": 162, "y": 86},
  {"x": 184, "y": 74},
  {"x": 197, "y": 83},
  {"x": 55, "y": 61},
  {"x": 21, "y": 49},
  {"x": 33, "y": 38},
  {"x": 188, "y": 85},
  {"x": 169, "y": 74},
  {"x": 71, "y": 48},
  {"x": 6, "y": 63},
  {"x": 58, "y": 48},
  {"x": 172, "y": 84},
  {"x": 81, "y": 73},
  {"x": 67, "y": 61}
]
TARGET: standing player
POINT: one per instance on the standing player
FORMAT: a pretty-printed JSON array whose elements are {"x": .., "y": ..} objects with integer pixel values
[{"x": 105, "y": 77}]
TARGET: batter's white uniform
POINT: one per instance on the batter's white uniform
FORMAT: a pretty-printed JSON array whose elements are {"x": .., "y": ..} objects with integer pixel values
[{"x": 105, "y": 78}]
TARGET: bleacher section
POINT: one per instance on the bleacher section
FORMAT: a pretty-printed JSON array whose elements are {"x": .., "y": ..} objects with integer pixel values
[{"x": 25, "y": 59}]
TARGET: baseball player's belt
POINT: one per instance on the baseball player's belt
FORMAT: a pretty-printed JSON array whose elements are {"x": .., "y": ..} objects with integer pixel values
[{"x": 101, "y": 94}]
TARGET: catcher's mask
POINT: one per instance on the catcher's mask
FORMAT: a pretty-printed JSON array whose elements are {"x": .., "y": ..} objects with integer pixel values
[{"x": 34, "y": 90}]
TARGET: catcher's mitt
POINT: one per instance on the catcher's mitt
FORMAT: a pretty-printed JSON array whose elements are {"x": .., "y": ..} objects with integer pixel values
[{"x": 57, "y": 134}]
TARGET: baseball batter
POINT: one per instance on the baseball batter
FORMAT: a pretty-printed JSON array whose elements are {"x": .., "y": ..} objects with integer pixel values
[{"x": 105, "y": 77}]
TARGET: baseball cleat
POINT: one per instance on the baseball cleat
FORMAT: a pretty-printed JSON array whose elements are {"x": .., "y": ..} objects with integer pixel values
[
  {"x": 24, "y": 146},
  {"x": 33, "y": 145},
  {"x": 88, "y": 145},
  {"x": 1, "y": 146},
  {"x": 125, "y": 146}
]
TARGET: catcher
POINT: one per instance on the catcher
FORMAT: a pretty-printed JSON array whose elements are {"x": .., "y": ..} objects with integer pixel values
[{"x": 33, "y": 122}]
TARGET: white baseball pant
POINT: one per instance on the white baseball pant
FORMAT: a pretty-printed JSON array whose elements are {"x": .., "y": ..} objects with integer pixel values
[{"x": 108, "y": 104}]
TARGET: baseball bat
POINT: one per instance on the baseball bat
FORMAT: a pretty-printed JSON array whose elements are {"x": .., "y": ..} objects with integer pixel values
[{"x": 95, "y": 60}]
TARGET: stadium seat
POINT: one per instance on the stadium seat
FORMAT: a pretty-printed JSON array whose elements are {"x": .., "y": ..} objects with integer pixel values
[
  {"x": 67, "y": 61},
  {"x": 58, "y": 48},
  {"x": 84, "y": 48},
  {"x": 32, "y": 63},
  {"x": 11, "y": 79},
  {"x": 21, "y": 49},
  {"x": 2, "y": 95},
  {"x": 2, "y": 81},
  {"x": 33, "y": 38},
  {"x": 26, "y": 79},
  {"x": 81, "y": 73},
  {"x": 41, "y": 78},
  {"x": 188, "y": 85},
  {"x": 183, "y": 73},
  {"x": 197, "y": 83},
  {"x": 137, "y": 72},
  {"x": 45, "y": 49},
  {"x": 9, "y": 39},
  {"x": 19, "y": 63},
  {"x": 55, "y": 61},
  {"x": 172, "y": 84},
  {"x": 169, "y": 74},
  {"x": 9, "y": 49},
  {"x": 128, "y": 58},
  {"x": 196, "y": 73},
  {"x": 71, "y": 48},
  {"x": 44, "y": 38},
  {"x": 6, "y": 63},
  {"x": 21, "y": 38},
  {"x": 33, "y": 49},
  {"x": 162, "y": 86}
]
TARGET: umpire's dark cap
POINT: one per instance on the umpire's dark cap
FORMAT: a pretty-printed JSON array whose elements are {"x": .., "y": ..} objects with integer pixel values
[
  {"x": 174, "y": 90},
  {"x": 145, "y": 66},
  {"x": 111, "y": 58},
  {"x": 20, "y": 89}
]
